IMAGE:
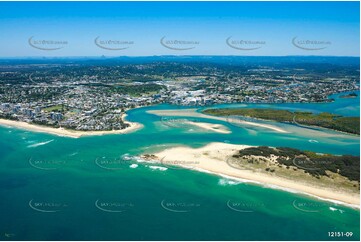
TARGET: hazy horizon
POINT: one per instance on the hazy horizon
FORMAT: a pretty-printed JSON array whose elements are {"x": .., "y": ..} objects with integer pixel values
[{"x": 144, "y": 56}]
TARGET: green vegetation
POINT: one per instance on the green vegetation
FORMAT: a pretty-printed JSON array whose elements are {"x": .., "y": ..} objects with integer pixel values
[
  {"x": 351, "y": 95},
  {"x": 136, "y": 90},
  {"x": 56, "y": 108},
  {"x": 325, "y": 120},
  {"x": 312, "y": 163}
]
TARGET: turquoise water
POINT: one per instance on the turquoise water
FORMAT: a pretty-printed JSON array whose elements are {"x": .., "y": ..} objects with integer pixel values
[{"x": 96, "y": 188}]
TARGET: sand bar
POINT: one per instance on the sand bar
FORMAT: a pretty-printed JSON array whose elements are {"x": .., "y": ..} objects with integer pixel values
[
  {"x": 218, "y": 128},
  {"x": 212, "y": 158},
  {"x": 193, "y": 113}
]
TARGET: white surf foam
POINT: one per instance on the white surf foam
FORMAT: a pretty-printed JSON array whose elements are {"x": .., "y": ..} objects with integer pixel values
[
  {"x": 241, "y": 180},
  {"x": 40, "y": 144},
  {"x": 335, "y": 209},
  {"x": 158, "y": 168},
  {"x": 140, "y": 160},
  {"x": 227, "y": 182},
  {"x": 313, "y": 141},
  {"x": 127, "y": 157}
]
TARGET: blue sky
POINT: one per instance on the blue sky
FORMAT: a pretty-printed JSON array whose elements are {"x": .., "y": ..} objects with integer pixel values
[{"x": 333, "y": 28}]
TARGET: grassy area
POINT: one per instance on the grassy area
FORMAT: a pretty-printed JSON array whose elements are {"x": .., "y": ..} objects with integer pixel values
[
  {"x": 55, "y": 108},
  {"x": 341, "y": 173},
  {"x": 325, "y": 120},
  {"x": 315, "y": 164},
  {"x": 137, "y": 90}
]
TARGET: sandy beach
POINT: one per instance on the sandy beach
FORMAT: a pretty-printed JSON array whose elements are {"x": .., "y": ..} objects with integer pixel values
[
  {"x": 218, "y": 128},
  {"x": 192, "y": 113},
  {"x": 212, "y": 158},
  {"x": 66, "y": 132}
]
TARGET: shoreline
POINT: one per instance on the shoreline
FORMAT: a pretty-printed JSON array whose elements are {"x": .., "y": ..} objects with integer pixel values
[
  {"x": 282, "y": 188},
  {"x": 68, "y": 132},
  {"x": 212, "y": 159},
  {"x": 320, "y": 128}
]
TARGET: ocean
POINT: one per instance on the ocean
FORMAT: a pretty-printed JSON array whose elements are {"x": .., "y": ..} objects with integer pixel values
[{"x": 98, "y": 188}]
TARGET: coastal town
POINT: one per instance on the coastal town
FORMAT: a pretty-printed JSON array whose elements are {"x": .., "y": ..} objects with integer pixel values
[
  {"x": 180, "y": 121},
  {"x": 88, "y": 97}
]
